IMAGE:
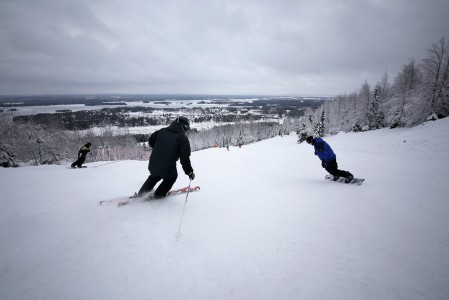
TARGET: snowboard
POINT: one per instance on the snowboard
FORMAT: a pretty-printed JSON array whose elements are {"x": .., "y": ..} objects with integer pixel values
[
  {"x": 357, "y": 181},
  {"x": 136, "y": 199},
  {"x": 77, "y": 167}
]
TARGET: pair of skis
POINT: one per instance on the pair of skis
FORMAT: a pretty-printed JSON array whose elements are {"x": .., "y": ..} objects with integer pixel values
[{"x": 136, "y": 199}]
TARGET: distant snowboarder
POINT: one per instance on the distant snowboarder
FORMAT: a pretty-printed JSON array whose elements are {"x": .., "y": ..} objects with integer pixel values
[
  {"x": 169, "y": 144},
  {"x": 328, "y": 158},
  {"x": 82, "y": 153}
]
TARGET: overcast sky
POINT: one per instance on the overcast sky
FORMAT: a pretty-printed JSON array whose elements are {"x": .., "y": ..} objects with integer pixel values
[{"x": 288, "y": 47}]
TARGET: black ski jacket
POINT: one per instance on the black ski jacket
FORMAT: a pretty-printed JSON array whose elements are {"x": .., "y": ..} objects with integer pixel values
[
  {"x": 83, "y": 151},
  {"x": 169, "y": 144}
]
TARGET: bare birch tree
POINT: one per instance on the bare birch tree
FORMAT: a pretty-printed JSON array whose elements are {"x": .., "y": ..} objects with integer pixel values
[{"x": 436, "y": 69}]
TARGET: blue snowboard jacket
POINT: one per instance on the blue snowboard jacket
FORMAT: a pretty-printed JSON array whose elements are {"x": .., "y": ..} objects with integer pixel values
[{"x": 324, "y": 151}]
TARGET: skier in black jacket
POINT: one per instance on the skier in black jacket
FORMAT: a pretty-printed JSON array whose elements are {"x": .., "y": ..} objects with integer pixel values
[
  {"x": 169, "y": 144},
  {"x": 82, "y": 153}
]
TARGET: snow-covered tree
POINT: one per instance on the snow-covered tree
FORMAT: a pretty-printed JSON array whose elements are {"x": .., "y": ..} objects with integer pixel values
[
  {"x": 319, "y": 125},
  {"x": 302, "y": 133},
  {"x": 406, "y": 89},
  {"x": 436, "y": 71},
  {"x": 362, "y": 104},
  {"x": 375, "y": 116},
  {"x": 384, "y": 90},
  {"x": 240, "y": 141},
  {"x": 8, "y": 158}
]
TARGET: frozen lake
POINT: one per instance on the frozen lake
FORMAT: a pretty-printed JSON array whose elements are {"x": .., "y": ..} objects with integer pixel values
[{"x": 30, "y": 110}]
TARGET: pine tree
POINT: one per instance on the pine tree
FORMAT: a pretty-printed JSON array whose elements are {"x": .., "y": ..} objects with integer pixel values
[
  {"x": 240, "y": 139},
  {"x": 302, "y": 133},
  {"x": 374, "y": 116},
  {"x": 8, "y": 158},
  {"x": 319, "y": 126}
]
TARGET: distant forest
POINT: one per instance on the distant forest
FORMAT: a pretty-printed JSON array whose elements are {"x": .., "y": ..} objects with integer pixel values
[
  {"x": 126, "y": 116},
  {"x": 54, "y": 138}
]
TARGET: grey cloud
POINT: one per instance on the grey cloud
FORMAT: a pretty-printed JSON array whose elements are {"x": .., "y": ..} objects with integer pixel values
[{"x": 276, "y": 47}]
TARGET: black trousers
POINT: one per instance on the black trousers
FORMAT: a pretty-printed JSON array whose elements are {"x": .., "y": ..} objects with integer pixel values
[
  {"x": 79, "y": 162},
  {"x": 332, "y": 168},
  {"x": 162, "y": 189}
]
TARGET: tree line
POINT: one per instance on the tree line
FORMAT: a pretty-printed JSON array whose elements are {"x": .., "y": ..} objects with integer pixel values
[
  {"x": 36, "y": 144},
  {"x": 419, "y": 92},
  {"x": 240, "y": 134}
]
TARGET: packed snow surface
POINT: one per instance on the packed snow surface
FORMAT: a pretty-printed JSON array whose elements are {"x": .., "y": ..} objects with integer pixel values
[{"x": 265, "y": 225}]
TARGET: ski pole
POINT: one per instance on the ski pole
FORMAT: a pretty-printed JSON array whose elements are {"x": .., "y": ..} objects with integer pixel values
[
  {"x": 112, "y": 162},
  {"x": 115, "y": 161},
  {"x": 178, "y": 234}
]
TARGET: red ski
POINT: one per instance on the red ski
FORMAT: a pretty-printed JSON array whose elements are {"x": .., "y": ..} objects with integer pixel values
[{"x": 137, "y": 199}]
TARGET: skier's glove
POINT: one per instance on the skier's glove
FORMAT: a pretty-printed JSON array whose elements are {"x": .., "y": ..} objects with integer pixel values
[
  {"x": 324, "y": 164},
  {"x": 192, "y": 176}
]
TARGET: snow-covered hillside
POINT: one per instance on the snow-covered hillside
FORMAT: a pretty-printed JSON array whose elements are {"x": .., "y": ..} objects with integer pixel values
[{"x": 265, "y": 225}]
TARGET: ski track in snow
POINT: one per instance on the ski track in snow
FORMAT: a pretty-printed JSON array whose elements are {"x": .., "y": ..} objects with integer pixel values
[{"x": 265, "y": 225}]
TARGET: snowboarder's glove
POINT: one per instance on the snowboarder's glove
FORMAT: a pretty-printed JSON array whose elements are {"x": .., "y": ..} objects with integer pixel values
[
  {"x": 324, "y": 164},
  {"x": 192, "y": 176}
]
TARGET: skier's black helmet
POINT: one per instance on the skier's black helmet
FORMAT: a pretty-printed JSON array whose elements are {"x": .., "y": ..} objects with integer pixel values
[
  {"x": 309, "y": 139},
  {"x": 184, "y": 123},
  {"x": 89, "y": 144}
]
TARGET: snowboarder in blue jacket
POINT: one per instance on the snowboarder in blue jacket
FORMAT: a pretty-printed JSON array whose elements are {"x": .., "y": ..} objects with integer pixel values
[{"x": 327, "y": 157}]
